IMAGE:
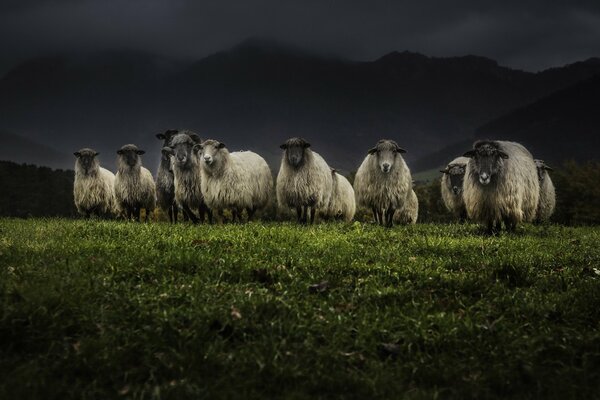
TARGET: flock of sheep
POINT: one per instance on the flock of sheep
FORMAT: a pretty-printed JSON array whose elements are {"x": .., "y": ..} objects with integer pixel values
[{"x": 496, "y": 182}]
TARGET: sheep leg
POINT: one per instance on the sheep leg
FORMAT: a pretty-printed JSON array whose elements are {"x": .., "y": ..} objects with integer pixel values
[
  {"x": 137, "y": 211},
  {"x": 235, "y": 215},
  {"x": 299, "y": 214},
  {"x": 389, "y": 217},
  {"x": 304, "y": 214},
  {"x": 510, "y": 224},
  {"x": 201, "y": 213},
  {"x": 186, "y": 217},
  {"x": 170, "y": 213},
  {"x": 191, "y": 216},
  {"x": 210, "y": 215},
  {"x": 375, "y": 215},
  {"x": 313, "y": 211},
  {"x": 250, "y": 212},
  {"x": 147, "y": 215},
  {"x": 174, "y": 211}
]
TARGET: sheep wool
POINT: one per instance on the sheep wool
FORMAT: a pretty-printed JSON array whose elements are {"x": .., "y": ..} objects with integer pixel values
[
  {"x": 134, "y": 184},
  {"x": 94, "y": 186},
  {"x": 454, "y": 200},
  {"x": 379, "y": 189},
  {"x": 237, "y": 181},
  {"x": 343, "y": 203},
  {"x": 512, "y": 194}
]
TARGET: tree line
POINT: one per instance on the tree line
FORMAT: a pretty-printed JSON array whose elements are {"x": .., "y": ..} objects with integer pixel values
[{"x": 33, "y": 191}]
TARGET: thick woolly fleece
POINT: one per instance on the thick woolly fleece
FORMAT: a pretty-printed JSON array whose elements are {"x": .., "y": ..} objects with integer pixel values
[
  {"x": 453, "y": 202},
  {"x": 94, "y": 191},
  {"x": 308, "y": 185},
  {"x": 375, "y": 189},
  {"x": 238, "y": 180},
  {"x": 512, "y": 196},
  {"x": 343, "y": 203}
]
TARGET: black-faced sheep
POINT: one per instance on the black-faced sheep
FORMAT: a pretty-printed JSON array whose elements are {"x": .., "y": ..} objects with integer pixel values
[
  {"x": 236, "y": 181},
  {"x": 451, "y": 187},
  {"x": 500, "y": 185},
  {"x": 342, "y": 204},
  {"x": 134, "y": 185},
  {"x": 165, "y": 185},
  {"x": 547, "y": 202},
  {"x": 304, "y": 181},
  {"x": 187, "y": 175},
  {"x": 94, "y": 186},
  {"x": 383, "y": 181}
]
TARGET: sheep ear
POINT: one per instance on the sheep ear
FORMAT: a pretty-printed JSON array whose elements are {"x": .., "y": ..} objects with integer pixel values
[
  {"x": 161, "y": 136},
  {"x": 195, "y": 137},
  {"x": 221, "y": 145},
  {"x": 444, "y": 171},
  {"x": 197, "y": 147},
  {"x": 400, "y": 150},
  {"x": 469, "y": 154},
  {"x": 77, "y": 154},
  {"x": 96, "y": 154},
  {"x": 167, "y": 150},
  {"x": 373, "y": 150},
  {"x": 283, "y": 146},
  {"x": 140, "y": 152},
  {"x": 306, "y": 145},
  {"x": 547, "y": 168},
  {"x": 502, "y": 154},
  {"x": 119, "y": 152}
]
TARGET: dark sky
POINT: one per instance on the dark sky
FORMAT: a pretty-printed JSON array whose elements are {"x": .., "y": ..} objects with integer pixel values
[{"x": 525, "y": 34}]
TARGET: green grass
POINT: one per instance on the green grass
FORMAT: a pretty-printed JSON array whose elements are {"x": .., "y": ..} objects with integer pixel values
[{"x": 121, "y": 310}]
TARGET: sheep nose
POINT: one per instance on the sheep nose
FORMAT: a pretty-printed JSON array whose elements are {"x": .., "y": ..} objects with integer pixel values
[
  {"x": 386, "y": 167},
  {"x": 455, "y": 189},
  {"x": 207, "y": 159},
  {"x": 181, "y": 158}
]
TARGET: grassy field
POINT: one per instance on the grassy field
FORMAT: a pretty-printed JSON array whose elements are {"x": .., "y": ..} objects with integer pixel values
[{"x": 121, "y": 310}]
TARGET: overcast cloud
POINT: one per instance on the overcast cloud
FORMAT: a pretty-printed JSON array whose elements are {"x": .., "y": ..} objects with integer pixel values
[{"x": 530, "y": 35}]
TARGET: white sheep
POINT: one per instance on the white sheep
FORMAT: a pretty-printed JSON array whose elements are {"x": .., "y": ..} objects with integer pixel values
[
  {"x": 500, "y": 185},
  {"x": 236, "y": 181},
  {"x": 342, "y": 204},
  {"x": 134, "y": 185},
  {"x": 451, "y": 186},
  {"x": 409, "y": 212},
  {"x": 383, "y": 181},
  {"x": 304, "y": 180},
  {"x": 94, "y": 186},
  {"x": 187, "y": 176},
  {"x": 165, "y": 180},
  {"x": 547, "y": 202}
]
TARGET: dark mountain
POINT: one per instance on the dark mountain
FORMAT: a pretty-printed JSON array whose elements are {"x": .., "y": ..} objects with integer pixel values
[
  {"x": 259, "y": 93},
  {"x": 564, "y": 125},
  {"x": 23, "y": 150}
]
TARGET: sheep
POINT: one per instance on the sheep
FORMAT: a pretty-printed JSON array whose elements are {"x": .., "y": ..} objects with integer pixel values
[
  {"x": 451, "y": 186},
  {"x": 383, "y": 181},
  {"x": 187, "y": 176},
  {"x": 304, "y": 181},
  {"x": 500, "y": 185},
  {"x": 547, "y": 201},
  {"x": 409, "y": 212},
  {"x": 342, "y": 204},
  {"x": 94, "y": 186},
  {"x": 165, "y": 186},
  {"x": 237, "y": 181},
  {"x": 134, "y": 185}
]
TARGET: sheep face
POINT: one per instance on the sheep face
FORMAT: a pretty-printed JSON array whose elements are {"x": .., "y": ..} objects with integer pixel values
[
  {"x": 86, "y": 158},
  {"x": 166, "y": 136},
  {"x": 182, "y": 150},
  {"x": 541, "y": 169},
  {"x": 386, "y": 152},
  {"x": 130, "y": 155},
  {"x": 210, "y": 152},
  {"x": 295, "y": 151},
  {"x": 487, "y": 161},
  {"x": 456, "y": 175}
]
